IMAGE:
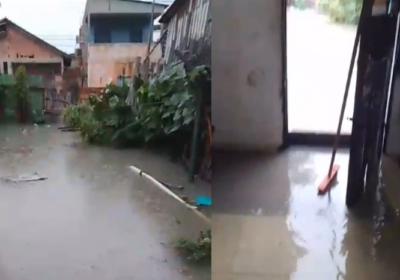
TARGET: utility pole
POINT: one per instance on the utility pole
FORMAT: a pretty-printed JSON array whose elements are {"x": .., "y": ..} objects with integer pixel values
[
  {"x": 146, "y": 62},
  {"x": 151, "y": 28}
]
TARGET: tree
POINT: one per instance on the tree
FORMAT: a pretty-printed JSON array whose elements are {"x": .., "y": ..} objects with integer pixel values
[
  {"x": 20, "y": 96},
  {"x": 341, "y": 11}
]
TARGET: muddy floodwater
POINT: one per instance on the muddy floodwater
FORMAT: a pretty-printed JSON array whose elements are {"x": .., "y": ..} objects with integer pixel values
[
  {"x": 269, "y": 222},
  {"x": 92, "y": 219}
]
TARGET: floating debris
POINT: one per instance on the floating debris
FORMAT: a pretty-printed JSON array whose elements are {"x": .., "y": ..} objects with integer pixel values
[
  {"x": 172, "y": 186},
  {"x": 24, "y": 151},
  {"x": 24, "y": 178},
  {"x": 202, "y": 200}
]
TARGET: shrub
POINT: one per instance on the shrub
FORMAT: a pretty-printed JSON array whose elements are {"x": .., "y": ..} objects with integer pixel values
[
  {"x": 197, "y": 251},
  {"x": 341, "y": 11}
]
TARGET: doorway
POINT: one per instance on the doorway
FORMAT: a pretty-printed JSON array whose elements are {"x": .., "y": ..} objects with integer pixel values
[{"x": 318, "y": 53}]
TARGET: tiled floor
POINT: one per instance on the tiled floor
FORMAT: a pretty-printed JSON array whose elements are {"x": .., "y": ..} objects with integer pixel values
[{"x": 269, "y": 223}]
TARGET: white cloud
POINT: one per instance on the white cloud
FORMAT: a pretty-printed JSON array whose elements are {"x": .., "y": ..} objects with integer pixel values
[{"x": 55, "y": 21}]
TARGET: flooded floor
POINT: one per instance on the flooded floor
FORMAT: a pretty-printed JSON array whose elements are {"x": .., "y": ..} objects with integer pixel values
[
  {"x": 269, "y": 222},
  {"x": 92, "y": 218}
]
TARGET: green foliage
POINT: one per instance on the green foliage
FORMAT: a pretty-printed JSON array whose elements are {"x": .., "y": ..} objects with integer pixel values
[
  {"x": 74, "y": 115},
  {"x": 19, "y": 95},
  {"x": 3, "y": 96},
  {"x": 99, "y": 117},
  {"x": 165, "y": 104},
  {"x": 3, "y": 102},
  {"x": 161, "y": 107},
  {"x": 300, "y": 4},
  {"x": 196, "y": 251},
  {"x": 341, "y": 11},
  {"x": 19, "y": 91}
]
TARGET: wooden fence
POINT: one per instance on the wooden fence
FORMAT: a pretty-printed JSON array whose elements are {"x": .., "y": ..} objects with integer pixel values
[{"x": 147, "y": 69}]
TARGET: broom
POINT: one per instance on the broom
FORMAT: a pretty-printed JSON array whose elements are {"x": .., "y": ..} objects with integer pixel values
[{"x": 334, "y": 168}]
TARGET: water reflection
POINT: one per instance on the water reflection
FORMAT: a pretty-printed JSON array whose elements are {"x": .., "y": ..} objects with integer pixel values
[
  {"x": 90, "y": 219},
  {"x": 318, "y": 224},
  {"x": 339, "y": 244},
  {"x": 269, "y": 221}
]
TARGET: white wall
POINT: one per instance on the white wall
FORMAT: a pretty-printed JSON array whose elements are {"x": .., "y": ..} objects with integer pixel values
[{"x": 247, "y": 74}]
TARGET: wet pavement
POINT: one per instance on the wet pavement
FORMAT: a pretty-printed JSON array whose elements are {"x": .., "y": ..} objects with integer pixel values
[
  {"x": 269, "y": 222},
  {"x": 92, "y": 218}
]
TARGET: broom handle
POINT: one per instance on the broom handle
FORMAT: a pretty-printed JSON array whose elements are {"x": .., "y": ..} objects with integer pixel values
[{"x": 346, "y": 93}]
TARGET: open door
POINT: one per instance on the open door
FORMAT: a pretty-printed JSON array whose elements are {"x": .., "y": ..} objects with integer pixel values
[{"x": 318, "y": 59}]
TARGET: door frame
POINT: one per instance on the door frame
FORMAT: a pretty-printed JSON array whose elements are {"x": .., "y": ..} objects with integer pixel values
[{"x": 300, "y": 138}]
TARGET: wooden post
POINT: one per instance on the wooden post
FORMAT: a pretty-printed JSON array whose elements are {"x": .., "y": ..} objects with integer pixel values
[
  {"x": 151, "y": 28},
  {"x": 145, "y": 70},
  {"x": 160, "y": 65},
  {"x": 196, "y": 135},
  {"x": 136, "y": 67},
  {"x": 153, "y": 68},
  {"x": 189, "y": 14}
]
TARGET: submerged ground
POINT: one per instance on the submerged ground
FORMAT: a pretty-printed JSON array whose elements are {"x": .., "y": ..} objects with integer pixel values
[
  {"x": 270, "y": 223},
  {"x": 92, "y": 218}
]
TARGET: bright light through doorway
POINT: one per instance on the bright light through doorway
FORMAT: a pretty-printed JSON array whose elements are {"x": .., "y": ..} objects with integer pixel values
[{"x": 318, "y": 59}]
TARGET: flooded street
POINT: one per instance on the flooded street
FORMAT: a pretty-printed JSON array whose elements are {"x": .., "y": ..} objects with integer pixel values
[
  {"x": 269, "y": 222},
  {"x": 92, "y": 218},
  {"x": 318, "y": 60}
]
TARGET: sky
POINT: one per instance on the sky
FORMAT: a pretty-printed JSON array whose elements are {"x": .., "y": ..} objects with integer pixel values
[{"x": 55, "y": 21}]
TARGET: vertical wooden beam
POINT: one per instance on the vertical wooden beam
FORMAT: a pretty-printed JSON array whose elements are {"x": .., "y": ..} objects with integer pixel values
[
  {"x": 145, "y": 69},
  {"x": 188, "y": 24},
  {"x": 136, "y": 66}
]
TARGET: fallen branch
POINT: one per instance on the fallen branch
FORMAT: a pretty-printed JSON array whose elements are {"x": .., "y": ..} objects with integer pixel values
[
  {"x": 58, "y": 100},
  {"x": 158, "y": 184},
  {"x": 70, "y": 129}
]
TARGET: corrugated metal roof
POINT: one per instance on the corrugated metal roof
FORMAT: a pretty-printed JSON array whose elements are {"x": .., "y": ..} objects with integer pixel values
[
  {"x": 171, "y": 11},
  {"x": 159, "y": 3}
]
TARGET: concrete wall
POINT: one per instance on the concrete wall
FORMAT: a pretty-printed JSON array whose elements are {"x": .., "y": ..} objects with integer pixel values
[
  {"x": 247, "y": 74},
  {"x": 120, "y": 7},
  {"x": 104, "y": 60},
  {"x": 109, "y": 7},
  {"x": 17, "y": 46}
]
